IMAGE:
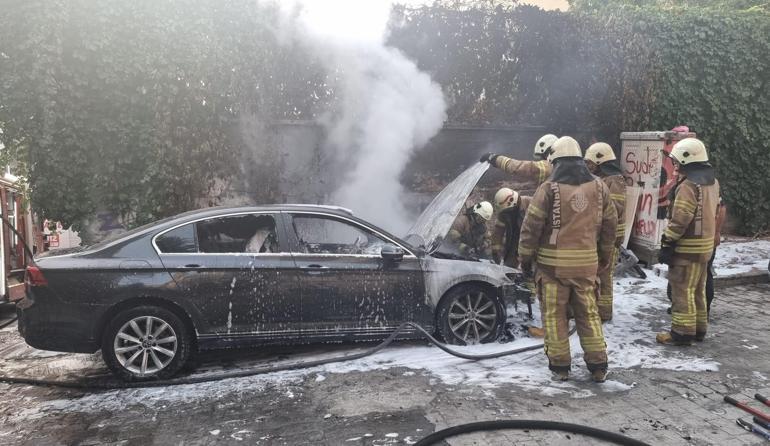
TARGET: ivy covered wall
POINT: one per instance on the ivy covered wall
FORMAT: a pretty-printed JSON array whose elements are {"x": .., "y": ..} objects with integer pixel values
[{"x": 140, "y": 107}]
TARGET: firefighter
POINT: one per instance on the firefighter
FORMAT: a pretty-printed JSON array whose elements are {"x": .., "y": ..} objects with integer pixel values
[
  {"x": 511, "y": 208},
  {"x": 535, "y": 171},
  {"x": 601, "y": 161},
  {"x": 569, "y": 232},
  {"x": 688, "y": 242},
  {"x": 469, "y": 231}
]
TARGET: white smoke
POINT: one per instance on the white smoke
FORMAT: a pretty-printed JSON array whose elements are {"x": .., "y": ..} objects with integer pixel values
[{"x": 385, "y": 107}]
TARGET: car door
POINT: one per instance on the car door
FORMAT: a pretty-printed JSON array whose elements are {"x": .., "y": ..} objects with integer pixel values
[
  {"x": 347, "y": 287},
  {"x": 238, "y": 272}
]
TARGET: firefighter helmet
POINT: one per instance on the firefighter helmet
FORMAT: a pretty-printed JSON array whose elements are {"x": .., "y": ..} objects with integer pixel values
[
  {"x": 506, "y": 197},
  {"x": 688, "y": 151},
  {"x": 599, "y": 153},
  {"x": 566, "y": 146},
  {"x": 543, "y": 145},
  {"x": 483, "y": 210}
]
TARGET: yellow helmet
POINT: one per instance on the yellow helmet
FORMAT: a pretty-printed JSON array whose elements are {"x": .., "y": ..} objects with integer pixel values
[
  {"x": 543, "y": 145},
  {"x": 483, "y": 210},
  {"x": 564, "y": 147},
  {"x": 688, "y": 151},
  {"x": 599, "y": 153},
  {"x": 506, "y": 197}
]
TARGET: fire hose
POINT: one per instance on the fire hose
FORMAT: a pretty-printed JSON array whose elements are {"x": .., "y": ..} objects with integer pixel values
[
  {"x": 266, "y": 370},
  {"x": 430, "y": 439},
  {"x": 528, "y": 425}
]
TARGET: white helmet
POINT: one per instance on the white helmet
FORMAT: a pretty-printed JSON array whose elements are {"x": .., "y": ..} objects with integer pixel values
[
  {"x": 599, "y": 153},
  {"x": 688, "y": 151},
  {"x": 543, "y": 144},
  {"x": 483, "y": 210},
  {"x": 506, "y": 197},
  {"x": 564, "y": 147}
]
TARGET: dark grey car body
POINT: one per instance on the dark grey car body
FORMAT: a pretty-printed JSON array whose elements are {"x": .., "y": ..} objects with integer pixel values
[{"x": 294, "y": 294}]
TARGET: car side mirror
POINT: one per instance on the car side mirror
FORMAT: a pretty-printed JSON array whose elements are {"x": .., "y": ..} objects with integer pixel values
[{"x": 392, "y": 253}]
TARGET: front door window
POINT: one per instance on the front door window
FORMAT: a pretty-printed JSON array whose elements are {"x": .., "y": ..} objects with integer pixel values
[{"x": 319, "y": 235}]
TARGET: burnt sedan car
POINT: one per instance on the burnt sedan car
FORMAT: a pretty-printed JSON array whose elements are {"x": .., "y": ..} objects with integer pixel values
[{"x": 226, "y": 277}]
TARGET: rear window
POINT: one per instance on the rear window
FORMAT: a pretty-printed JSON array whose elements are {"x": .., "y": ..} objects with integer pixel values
[
  {"x": 238, "y": 234},
  {"x": 180, "y": 240}
]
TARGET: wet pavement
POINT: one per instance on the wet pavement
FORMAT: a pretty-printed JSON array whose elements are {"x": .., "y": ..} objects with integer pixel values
[{"x": 398, "y": 405}]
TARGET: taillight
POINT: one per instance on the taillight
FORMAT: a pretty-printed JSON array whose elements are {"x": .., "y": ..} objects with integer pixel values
[{"x": 34, "y": 277}]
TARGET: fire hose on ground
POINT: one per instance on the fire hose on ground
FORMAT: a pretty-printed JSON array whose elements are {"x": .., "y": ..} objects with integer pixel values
[
  {"x": 266, "y": 370},
  {"x": 430, "y": 439}
]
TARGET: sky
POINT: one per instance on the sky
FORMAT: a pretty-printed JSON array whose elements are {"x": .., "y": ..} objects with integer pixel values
[{"x": 549, "y": 4}]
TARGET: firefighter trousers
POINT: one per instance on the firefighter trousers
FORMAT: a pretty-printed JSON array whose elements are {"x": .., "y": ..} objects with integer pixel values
[
  {"x": 604, "y": 301},
  {"x": 556, "y": 295},
  {"x": 689, "y": 312}
]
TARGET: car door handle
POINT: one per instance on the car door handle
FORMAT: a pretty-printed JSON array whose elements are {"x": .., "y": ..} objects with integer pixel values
[
  {"x": 192, "y": 266},
  {"x": 314, "y": 269}
]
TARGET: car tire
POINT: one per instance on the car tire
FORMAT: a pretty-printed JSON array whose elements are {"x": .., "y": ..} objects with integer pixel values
[
  {"x": 146, "y": 343},
  {"x": 470, "y": 314}
]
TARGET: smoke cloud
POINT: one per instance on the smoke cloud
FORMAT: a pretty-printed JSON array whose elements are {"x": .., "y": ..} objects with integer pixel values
[{"x": 385, "y": 106}]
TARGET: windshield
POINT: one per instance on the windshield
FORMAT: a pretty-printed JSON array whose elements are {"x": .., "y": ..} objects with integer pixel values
[{"x": 436, "y": 220}]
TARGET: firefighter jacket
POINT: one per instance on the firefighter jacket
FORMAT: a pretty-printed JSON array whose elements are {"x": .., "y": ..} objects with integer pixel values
[
  {"x": 505, "y": 233},
  {"x": 533, "y": 171},
  {"x": 613, "y": 177},
  {"x": 720, "y": 222},
  {"x": 469, "y": 236},
  {"x": 570, "y": 224},
  {"x": 692, "y": 216}
]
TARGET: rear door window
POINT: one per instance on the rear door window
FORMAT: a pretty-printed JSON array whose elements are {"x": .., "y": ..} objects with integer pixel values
[
  {"x": 178, "y": 241},
  {"x": 252, "y": 233}
]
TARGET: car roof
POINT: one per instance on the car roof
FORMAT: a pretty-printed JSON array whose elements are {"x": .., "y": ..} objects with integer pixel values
[
  {"x": 337, "y": 210},
  {"x": 169, "y": 222}
]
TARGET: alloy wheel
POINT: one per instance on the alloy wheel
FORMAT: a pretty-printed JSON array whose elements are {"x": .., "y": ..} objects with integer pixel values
[
  {"x": 472, "y": 317},
  {"x": 145, "y": 345}
]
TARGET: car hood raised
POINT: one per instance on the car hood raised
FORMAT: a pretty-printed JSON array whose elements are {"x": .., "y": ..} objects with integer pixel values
[{"x": 434, "y": 223}]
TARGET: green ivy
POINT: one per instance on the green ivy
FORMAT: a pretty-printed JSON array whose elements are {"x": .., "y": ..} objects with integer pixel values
[
  {"x": 612, "y": 66},
  {"x": 139, "y": 107}
]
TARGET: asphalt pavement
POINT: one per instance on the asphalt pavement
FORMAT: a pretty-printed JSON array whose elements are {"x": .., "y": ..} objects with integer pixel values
[{"x": 399, "y": 405}]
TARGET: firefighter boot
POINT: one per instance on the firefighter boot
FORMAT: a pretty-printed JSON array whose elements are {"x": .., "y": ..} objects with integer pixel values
[
  {"x": 666, "y": 338},
  {"x": 560, "y": 375},
  {"x": 599, "y": 375}
]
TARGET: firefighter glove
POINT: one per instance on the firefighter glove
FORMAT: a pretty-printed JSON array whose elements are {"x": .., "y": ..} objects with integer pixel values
[
  {"x": 488, "y": 158},
  {"x": 666, "y": 254},
  {"x": 526, "y": 266}
]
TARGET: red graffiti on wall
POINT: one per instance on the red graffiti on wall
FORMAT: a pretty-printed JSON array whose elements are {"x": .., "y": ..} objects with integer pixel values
[
  {"x": 645, "y": 228},
  {"x": 649, "y": 165},
  {"x": 645, "y": 203}
]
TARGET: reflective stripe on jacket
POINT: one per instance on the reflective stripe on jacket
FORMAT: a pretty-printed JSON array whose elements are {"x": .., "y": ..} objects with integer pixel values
[
  {"x": 569, "y": 229},
  {"x": 692, "y": 222},
  {"x": 529, "y": 171},
  {"x": 467, "y": 235},
  {"x": 617, "y": 187}
]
